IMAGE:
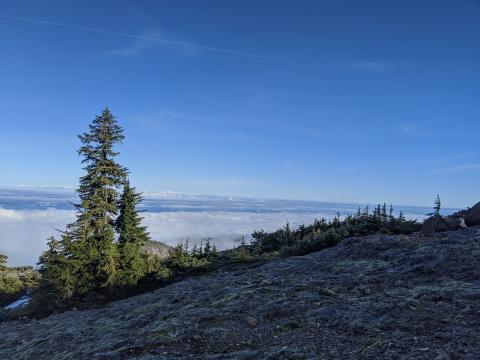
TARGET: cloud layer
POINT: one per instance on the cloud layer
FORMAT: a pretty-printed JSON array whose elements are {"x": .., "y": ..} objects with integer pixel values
[
  {"x": 24, "y": 233},
  {"x": 28, "y": 216}
]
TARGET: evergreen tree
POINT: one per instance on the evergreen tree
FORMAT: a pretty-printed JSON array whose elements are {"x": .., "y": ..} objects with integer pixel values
[
  {"x": 93, "y": 231},
  {"x": 3, "y": 262},
  {"x": 384, "y": 215},
  {"x": 57, "y": 281},
  {"x": 207, "y": 249},
  {"x": 436, "y": 206},
  {"x": 132, "y": 237},
  {"x": 8, "y": 284}
]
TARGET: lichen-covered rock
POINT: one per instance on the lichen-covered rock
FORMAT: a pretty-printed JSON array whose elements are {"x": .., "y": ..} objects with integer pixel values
[{"x": 376, "y": 297}]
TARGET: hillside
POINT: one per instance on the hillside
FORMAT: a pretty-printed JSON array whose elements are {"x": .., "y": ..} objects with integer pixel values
[
  {"x": 378, "y": 296},
  {"x": 157, "y": 248}
]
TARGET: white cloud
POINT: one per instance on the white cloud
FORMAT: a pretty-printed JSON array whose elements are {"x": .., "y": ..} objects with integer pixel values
[
  {"x": 24, "y": 233},
  {"x": 7, "y": 215},
  {"x": 28, "y": 218},
  {"x": 224, "y": 227}
]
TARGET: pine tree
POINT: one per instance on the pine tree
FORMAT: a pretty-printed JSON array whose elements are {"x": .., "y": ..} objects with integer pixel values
[
  {"x": 3, "y": 262},
  {"x": 214, "y": 251},
  {"x": 384, "y": 215},
  {"x": 132, "y": 237},
  {"x": 57, "y": 281},
  {"x": 207, "y": 249},
  {"x": 8, "y": 284},
  {"x": 93, "y": 231},
  {"x": 436, "y": 206}
]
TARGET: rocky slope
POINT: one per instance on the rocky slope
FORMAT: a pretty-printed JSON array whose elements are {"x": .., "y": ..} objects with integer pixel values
[
  {"x": 392, "y": 297},
  {"x": 157, "y": 248}
]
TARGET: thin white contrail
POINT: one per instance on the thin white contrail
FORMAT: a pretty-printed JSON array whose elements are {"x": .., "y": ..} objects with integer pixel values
[{"x": 132, "y": 36}]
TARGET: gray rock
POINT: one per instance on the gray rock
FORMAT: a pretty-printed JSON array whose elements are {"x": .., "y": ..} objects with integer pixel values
[
  {"x": 442, "y": 355},
  {"x": 440, "y": 223},
  {"x": 461, "y": 219},
  {"x": 423, "y": 294},
  {"x": 472, "y": 215}
]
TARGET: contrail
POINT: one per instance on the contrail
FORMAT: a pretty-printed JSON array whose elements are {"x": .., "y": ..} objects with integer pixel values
[{"x": 132, "y": 36}]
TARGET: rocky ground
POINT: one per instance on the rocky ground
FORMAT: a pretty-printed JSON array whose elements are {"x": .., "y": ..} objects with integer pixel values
[{"x": 389, "y": 297}]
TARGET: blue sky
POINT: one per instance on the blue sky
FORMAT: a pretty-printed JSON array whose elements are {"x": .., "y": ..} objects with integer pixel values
[{"x": 334, "y": 100}]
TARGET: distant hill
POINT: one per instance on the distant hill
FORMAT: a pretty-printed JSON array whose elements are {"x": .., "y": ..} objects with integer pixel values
[
  {"x": 373, "y": 297},
  {"x": 157, "y": 248}
]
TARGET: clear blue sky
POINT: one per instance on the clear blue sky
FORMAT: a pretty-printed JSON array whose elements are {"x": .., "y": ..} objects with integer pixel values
[{"x": 326, "y": 100}]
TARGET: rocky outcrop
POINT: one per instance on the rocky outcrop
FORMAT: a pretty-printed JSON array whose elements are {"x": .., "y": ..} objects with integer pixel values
[
  {"x": 376, "y": 297},
  {"x": 471, "y": 216},
  {"x": 157, "y": 248},
  {"x": 441, "y": 223},
  {"x": 458, "y": 220}
]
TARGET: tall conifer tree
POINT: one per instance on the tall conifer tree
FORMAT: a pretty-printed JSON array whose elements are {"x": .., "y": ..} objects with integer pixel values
[
  {"x": 93, "y": 231},
  {"x": 132, "y": 238}
]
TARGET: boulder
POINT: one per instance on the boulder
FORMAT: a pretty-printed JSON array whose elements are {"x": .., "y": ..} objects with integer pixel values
[
  {"x": 441, "y": 223},
  {"x": 472, "y": 215},
  {"x": 461, "y": 219}
]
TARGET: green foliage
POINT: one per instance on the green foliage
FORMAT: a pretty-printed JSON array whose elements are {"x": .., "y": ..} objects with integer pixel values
[
  {"x": 437, "y": 205},
  {"x": 88, "y": 260},
  {"x": 3, "y": 262},
  {"x": 9, "y": 284},
  {"x": 323, "y": 234},
  {"x": 57, "y": 282},
  {"x": 181, "y": 258},
  {"x": 132, "y": 261},
  {"x": 242, "y": 253},
  {"x": 15, "y": 281},
  {"x": 98, "y": 192}
]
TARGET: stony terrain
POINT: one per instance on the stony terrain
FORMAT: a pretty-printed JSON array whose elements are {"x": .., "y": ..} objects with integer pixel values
[
  {"x": 157, "y": 248},
  {"x": 389, "y": 297}
]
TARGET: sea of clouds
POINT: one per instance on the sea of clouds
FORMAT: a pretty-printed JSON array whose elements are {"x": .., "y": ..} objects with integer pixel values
[{"x": 28, "y": 216}]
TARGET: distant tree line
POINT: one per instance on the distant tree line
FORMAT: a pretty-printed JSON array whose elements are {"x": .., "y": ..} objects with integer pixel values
[{"x": 323, "y": 234}]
